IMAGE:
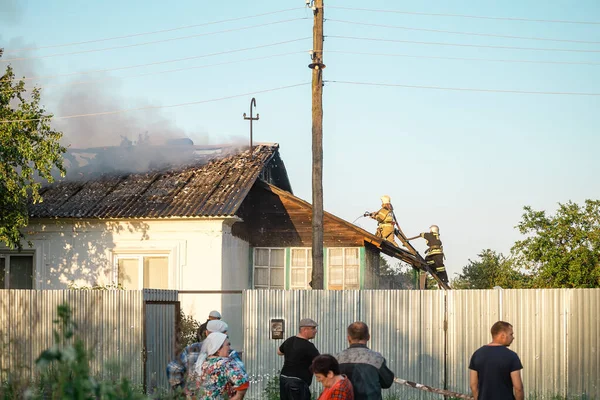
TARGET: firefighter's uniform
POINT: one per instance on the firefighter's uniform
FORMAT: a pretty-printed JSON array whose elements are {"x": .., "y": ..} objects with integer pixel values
[
  {"x": 385, "y": 220},
  {"x": 435, "y": 254}
]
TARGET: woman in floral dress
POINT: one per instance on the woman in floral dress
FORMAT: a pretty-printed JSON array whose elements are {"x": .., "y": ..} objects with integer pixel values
[{"x": 219, "y": 376}]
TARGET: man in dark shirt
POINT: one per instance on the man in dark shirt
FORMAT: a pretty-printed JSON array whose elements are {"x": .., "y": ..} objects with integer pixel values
[
  {"x": 366, "y": 369},
  {"x": 298, "y": 354},
  {"x": 494, "y": 370}
]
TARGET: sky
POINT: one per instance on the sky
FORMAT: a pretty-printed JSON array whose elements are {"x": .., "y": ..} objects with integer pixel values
[{"x": 467, "y": 161}]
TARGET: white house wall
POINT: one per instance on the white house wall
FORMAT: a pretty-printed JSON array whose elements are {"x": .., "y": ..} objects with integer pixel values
[
  {"x": 203, "y": 255},
  {"x": 82, "y": 253},
  {"x": 236, "y": 261}
]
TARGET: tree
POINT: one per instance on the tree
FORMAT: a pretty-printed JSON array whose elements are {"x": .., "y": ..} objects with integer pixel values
[
  {"x": 491, "y": 269},
  {"x": 561, "y": 250},
  {"x": 29, "y": 151},
  {"x": 395, "y": 277}
]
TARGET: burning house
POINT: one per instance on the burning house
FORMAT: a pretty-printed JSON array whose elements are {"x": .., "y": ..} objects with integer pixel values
[{"x": 228, "y": 220}]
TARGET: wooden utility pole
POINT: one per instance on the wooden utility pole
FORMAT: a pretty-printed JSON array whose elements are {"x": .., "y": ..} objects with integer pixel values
[{"x": 317, "y": 67}]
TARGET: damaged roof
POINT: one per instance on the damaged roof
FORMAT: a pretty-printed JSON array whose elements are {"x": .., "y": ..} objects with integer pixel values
[{"x": 215, "y": 188}]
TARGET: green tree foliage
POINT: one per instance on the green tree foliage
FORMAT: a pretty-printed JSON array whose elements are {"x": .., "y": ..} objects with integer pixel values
[
  {"x": 29, "y": 151},
  {"x": 395, "y": 277},
  {"x": 561, "y": 250},
  {"x": 489, "y": 270},
  {"x": 187, "y": 332}
]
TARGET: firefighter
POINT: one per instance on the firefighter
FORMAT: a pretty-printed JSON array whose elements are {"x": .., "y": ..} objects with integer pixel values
[
  {"x": 435, "y": 251},
  {"x": 385, "y": 220}
]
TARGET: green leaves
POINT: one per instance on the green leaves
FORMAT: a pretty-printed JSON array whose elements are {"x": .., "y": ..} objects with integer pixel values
[
  {"x": 65, "y": 370},
  {"x": 558, "y": 251},
  {"x": 29, "y": 152},
  {"x": 562, "y": 250},
  {"x": 491, "y": 269}
]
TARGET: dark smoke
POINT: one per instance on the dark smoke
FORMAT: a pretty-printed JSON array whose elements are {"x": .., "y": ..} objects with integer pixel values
[{"x": 141, "y": 157}]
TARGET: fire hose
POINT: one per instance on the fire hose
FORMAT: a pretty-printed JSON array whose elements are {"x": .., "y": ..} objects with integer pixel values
[{"x": 426, "y": 388}]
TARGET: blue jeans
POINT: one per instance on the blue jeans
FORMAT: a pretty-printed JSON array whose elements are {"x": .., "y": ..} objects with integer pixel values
[{"x": 293, "y": 389}]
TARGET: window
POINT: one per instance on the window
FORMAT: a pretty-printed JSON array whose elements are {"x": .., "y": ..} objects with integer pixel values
[
  {"x": 16, "y": 271},
  {"x": 301, "y": 268},
  {"x": 269, "y": 271},
  {"x": 135, "y": 272},
  {"x": 343, "y": 268}
]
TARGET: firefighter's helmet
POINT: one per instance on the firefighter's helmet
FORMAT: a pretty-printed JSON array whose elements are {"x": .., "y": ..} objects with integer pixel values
[
  {"x": 386, "y": 200},
  {"x": 434, "y": 229}
]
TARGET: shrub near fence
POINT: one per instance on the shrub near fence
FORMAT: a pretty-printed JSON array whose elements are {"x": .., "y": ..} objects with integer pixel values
[{"x": 110, "y": 324}]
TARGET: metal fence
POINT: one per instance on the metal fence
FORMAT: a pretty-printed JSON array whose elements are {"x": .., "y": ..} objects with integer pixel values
[
  {"x": 429, "y": 336},
  {"x": 426, "y": 336},
  {"x": 118, "y": 327},
  {"x": 161, "y": 313}
]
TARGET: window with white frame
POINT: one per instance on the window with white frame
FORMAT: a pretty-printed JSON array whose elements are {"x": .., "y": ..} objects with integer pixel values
[
  {"x": 343, "y": 266},
  {"x": 16, "y": 271},
  {"x": 301, "y": 268},
  {"x": 269, "y": 268},
  {"x": 135, "y": 272}
]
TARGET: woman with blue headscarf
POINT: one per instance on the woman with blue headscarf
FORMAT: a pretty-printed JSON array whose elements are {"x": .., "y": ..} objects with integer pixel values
[{"x": 217, "y": 374}]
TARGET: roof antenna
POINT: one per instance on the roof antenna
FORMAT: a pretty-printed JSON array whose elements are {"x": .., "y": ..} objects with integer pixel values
[{"x": 250, "y": 118}]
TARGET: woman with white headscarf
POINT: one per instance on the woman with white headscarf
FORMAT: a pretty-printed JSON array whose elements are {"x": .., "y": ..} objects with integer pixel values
[{"x": 217, "y": 374}]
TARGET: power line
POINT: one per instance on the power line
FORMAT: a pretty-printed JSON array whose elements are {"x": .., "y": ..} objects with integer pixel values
[
  {"x": 468, "y": 16},
  {"x": 162, "y": 72},
  {"x": 463, "y": 33},
  {"x": 153, "y": 42},
  {"x": 156, "y": 107},
  {"x": 163, "y": 62},
  {"x": 462, "y": 44},
  {"x": 464, "y": 58},
  {"x": 465, "y": 89},
  {"x": 18, "y": 50}
]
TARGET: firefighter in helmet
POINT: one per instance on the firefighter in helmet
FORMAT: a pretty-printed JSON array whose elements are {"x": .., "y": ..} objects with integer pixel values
[
  {"x": 385, "y": 220},
  {"x": 435, "y": 251}
]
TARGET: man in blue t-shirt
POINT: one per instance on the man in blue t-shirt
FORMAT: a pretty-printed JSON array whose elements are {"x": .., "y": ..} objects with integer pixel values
[{"x": 494, "y": 370}]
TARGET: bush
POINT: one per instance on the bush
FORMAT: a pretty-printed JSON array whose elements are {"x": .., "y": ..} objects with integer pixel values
[
  {"x": 188, "y": 328},
  {"x": 271, "y": 391},
  {"x": 64, "y": 371}
]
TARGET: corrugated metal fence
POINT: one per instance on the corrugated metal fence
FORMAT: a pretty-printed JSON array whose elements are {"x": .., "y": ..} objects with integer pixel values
[
  {"x": 426, "y": 336},
  {"x": 161, "y": 310},
  {"x": 429, "y": 336},
  {"x": 110, "y": 322}
]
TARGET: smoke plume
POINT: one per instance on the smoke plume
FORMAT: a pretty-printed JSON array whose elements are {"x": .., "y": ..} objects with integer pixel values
[{"x": 137, "y": 141}]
